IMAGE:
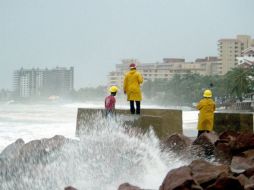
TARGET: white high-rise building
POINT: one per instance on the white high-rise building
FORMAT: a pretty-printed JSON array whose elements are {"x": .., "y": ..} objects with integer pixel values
[{"x": 43, "y": 82}]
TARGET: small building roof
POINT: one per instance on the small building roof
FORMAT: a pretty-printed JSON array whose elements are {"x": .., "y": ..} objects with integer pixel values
[{"x": 248, "y": 50}]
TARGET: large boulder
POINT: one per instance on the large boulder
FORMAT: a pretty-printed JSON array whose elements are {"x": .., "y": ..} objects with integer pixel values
[
  {"x": 243, "y": 161},
  {"x": 70, "y": 188},
  {"x": 31, "y": 157},
  {"x": 205, "y": 173},
  {"x": 127, "y": 186},
  {"x": 232, "y": 144},
  {"x": 223, "y": 151},
  {"x": 179, "y": 179},
  {"x": 249, "y": 172},
  {"x": 207, "y": 142},
  {"x": 178, "y": 143},
  {"x": 243, "y": 179},
  {"x": 228, "y": 136},
  {"x": 250, "y": 184},
  {"x": 36, "y": 150},
  {"x": 12, "y": 150},
  {"x": 223, "y": 183},
  {"x": 243, "y": 142}
]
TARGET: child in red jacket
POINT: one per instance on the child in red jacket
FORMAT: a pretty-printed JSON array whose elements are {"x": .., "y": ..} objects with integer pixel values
[{"x": 110, "y": 101}]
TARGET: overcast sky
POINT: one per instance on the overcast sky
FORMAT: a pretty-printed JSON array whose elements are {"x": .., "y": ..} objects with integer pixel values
[{"x": 94, "y": 35}]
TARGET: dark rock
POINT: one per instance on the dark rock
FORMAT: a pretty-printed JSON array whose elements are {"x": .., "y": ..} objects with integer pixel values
[
  {"x": 196, "y": 152},
  {"x": 211, "y": 137},
  {"x": 179, "y": 179},
  {"x": 223, "y": 151},
  {"x": 127, "y": 186},
  {"x": 249, "y": 154},
  {"x": 226, "y": 183},
  {"x": 243, "y": 179},
  {"x": 177, "y": 143},
  {"x": 70, "y": 188},
  {"x": 249, "y": 172},
  {"x": 249, "y": 187},
  {"x": 207, "y": 141},
  {"x": 228, "y": 136},
  {"x": 240, "y": 164},
  {"x": 196, "y": 187},
  {"x": 232, "y": 144},
  {"x": 244, "y": 141},
  {"x": 250, "y": 184},
  {"x": 205, "y": 173}
]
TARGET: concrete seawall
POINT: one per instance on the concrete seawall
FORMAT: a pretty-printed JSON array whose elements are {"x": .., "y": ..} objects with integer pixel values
[
  {"x": 235, "y": 121},
  {"x": 164, "y": 121}
]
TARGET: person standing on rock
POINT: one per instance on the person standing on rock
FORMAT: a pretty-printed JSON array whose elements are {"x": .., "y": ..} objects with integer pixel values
[
  {"x": 206, "y": 108},
  {"x": 132, "y": 81}
]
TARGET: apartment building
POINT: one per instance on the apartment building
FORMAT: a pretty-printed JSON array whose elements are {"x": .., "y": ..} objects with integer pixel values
[
  {"x": 166, "y": 69},
  {"x": 58, "y": 81},
  {"x": 24, "y": 82},
  {"x": 230, "y": 49},
  {"x": 42, "y": 82}
]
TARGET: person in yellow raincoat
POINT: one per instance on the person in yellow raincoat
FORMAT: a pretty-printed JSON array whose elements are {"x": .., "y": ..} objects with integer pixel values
[
  {"x": 206, "y": 108},
  {"x": 132, "y": 81}
]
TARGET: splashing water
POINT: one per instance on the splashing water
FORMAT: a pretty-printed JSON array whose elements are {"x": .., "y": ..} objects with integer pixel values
[{"x": 107, "y": 155}]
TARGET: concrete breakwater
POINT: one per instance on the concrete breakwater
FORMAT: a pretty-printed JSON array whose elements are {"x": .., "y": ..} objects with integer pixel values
[
  {"x": 166, "y": 122},
  {"x": 163, "y": 121}
]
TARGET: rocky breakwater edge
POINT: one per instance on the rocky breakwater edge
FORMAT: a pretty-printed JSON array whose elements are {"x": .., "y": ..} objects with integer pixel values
[
  {"x": 223, "y": 162},
  {"x": 220, "y": 161}
]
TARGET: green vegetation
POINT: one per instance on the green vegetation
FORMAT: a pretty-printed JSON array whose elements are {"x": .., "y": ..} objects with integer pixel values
[
  {"x": 240, "y": 81},
  {"x": 183, "y": 90},
  {"x": 89, "y": 93},
  {"x": 186, "y": 89}
]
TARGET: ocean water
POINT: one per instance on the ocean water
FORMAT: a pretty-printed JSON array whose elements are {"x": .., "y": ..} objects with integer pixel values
[{"x": 109, "y": 155}]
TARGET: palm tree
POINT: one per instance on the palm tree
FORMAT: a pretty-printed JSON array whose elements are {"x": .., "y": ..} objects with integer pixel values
[{"x": 239, "y": 81}]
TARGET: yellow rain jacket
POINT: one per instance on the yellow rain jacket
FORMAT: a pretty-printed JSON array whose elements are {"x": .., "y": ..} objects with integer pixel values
[
  {"x": 131, "y": 86},
  {"x": 206, "y": 109}
]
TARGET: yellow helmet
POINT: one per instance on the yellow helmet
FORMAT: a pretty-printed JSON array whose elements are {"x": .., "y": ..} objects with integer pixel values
[
  {"x": 208, "y": 94},
  {"x": 113, "y": 89}
]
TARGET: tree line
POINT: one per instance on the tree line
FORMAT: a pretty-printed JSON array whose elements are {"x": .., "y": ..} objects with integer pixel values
[{"x": 185, "y": 89}]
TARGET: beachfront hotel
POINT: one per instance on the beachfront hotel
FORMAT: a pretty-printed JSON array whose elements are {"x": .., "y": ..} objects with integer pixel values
[
  {"x": 43, "y": 82},
  {"x": 166, "y": 69},
  {"x": 231, "y": 53}
]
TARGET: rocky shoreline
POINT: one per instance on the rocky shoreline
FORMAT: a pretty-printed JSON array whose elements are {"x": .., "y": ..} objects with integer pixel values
[{"x": 232, "y": 165}]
